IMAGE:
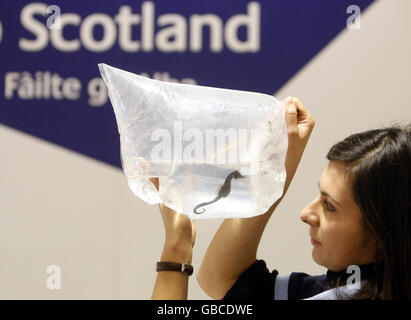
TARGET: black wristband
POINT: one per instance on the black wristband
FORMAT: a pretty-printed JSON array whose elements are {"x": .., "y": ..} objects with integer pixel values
[{"x": 174, "y": 266}]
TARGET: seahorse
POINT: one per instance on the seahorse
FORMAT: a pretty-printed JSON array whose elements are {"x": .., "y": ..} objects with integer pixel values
[{"x": 223, "y": 192}]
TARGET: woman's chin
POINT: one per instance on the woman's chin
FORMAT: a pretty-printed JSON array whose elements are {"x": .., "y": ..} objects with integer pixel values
[{"x": 316, "y": 257}]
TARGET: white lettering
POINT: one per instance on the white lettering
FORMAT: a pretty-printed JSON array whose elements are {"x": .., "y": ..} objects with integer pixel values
[
  {"x": 109, "y": 34},
  {"x": 54, "y": 281},
  {"x": 97, "y": 91},
  {"x": 219, "y": 150},
  {"x": 161, "y": 151},
  {"x": 53, "y": 22},
  {"x": 197, "y": 22},
  {"x": 147, "y": 29},
  {"x": 71, "y": 88},
  {"x": 168, "y": 32},
  {"x": 174, "y": 310},
  {"x": 11, "y": 84},
  {"x": 125, "y": 20},
  {"x": 56, "y": 35},
  {"x": 211, "y": 146},
  {"x": 226, "y": 309},
  {"x": 354, "y": 281},
  {"x": 251, "y": 21},
  {"x": 354, "y": 21},
  {"x": 43, "y": 85},
  {"x": 26, "y": 88},
  {"x": 32, "y": 25},
  {"x": 177, "y": 31},
  {"x": 196, "y": 146}
]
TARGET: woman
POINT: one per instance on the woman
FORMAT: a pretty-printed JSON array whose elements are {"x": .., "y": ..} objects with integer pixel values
[{"x": 360, "y": 218}]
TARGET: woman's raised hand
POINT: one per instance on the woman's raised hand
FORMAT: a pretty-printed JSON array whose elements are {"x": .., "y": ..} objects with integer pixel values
[
  {"x": 180, "y": 229},
  {"x": 300, "y": 124}
]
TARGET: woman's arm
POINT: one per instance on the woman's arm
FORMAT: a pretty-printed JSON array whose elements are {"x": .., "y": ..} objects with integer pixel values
[
  {"x": 178, "y": 247},
  {"x": 172, "y": 285},
  {"x": 234, "y": 246}
]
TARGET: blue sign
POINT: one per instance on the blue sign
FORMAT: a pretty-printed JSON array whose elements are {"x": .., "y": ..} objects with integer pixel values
[{"x": 51, "y": 86}]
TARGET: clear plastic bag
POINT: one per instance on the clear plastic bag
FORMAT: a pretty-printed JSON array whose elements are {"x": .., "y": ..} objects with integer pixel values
[{"x": 218, "y": 153}]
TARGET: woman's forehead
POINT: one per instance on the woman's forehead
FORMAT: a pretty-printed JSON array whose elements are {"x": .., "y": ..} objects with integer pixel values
[{"x": 334, "y": 182}]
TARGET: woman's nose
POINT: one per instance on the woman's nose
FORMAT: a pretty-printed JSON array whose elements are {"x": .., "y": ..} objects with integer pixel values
[{"x": 309, "y": 215}]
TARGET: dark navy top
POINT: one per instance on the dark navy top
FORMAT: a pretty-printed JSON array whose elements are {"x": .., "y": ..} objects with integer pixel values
[{"x": 258, "y": 283}]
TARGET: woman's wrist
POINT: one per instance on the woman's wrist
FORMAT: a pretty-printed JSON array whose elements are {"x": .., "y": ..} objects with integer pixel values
[{"x": 181, "y": 252}]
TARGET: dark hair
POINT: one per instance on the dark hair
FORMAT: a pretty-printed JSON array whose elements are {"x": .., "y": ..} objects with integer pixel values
[{"x": 377, "y": 163}]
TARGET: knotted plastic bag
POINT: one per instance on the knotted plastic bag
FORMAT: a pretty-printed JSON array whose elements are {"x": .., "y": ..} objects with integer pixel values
[{"x": 218, "y": 153}]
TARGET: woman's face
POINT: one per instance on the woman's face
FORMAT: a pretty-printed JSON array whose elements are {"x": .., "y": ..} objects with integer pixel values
[{"x": 337, "y": 231}]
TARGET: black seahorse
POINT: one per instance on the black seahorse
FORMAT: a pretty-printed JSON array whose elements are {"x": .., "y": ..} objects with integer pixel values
[{"x": 224, "y": 191}]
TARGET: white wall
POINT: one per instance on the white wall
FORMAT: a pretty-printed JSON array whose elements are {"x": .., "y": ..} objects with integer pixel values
[{"x": 59, "y": 207}]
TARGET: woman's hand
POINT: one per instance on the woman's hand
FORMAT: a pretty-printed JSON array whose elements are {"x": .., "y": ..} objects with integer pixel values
[
  {"x": 180, "y": 229},
  {"x": 178, "y": 247},
  {"x": 300, "y": 124}
]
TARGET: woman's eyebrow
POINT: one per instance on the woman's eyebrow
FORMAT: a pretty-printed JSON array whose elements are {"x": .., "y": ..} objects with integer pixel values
[{"x": 326, "y": 194}]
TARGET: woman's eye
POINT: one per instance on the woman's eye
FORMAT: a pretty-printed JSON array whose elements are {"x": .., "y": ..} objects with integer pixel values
[{"x": 328, "y": 206}]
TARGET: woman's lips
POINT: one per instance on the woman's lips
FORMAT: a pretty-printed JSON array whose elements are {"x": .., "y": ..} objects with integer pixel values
[{"x": 315, "y": 242}]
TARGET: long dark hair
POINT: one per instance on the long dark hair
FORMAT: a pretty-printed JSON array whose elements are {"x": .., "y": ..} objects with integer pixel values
[{"x": 378, "y": 165}]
